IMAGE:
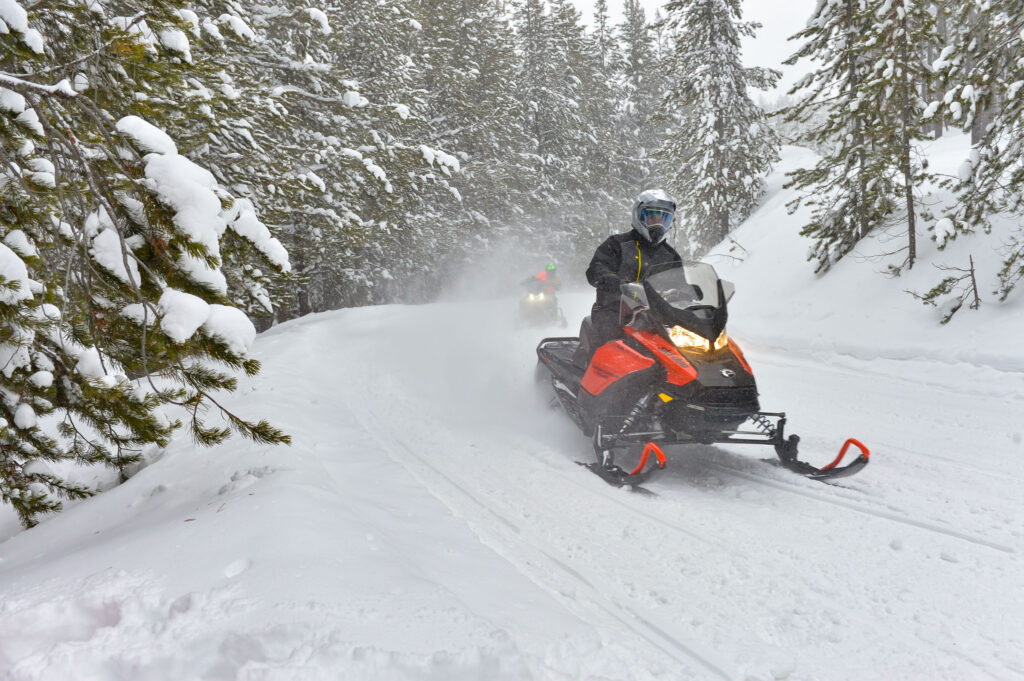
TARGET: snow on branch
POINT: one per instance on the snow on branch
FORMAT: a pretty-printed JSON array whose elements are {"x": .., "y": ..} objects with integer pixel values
[
  {"x": 22, "y": 86},
  {"x": 318, "y": 16},
  {"x": 14, "y": 16}
]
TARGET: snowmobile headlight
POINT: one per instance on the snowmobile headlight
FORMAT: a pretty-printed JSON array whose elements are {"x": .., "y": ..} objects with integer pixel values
[
  {"x": 536, "y": 296},
  {"x": 688, "y": 340}
]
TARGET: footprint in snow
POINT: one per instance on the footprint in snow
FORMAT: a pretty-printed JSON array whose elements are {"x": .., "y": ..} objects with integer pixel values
[{"x": 237, "y": 568}]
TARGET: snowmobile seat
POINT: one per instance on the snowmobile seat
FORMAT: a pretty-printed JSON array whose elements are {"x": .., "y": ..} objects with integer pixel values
[{"x": 585, "y": 350}]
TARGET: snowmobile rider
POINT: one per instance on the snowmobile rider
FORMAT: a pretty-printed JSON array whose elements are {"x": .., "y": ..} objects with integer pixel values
[
  {"x": 628, "y": 257},
  {"x": 547, "y": 280}
]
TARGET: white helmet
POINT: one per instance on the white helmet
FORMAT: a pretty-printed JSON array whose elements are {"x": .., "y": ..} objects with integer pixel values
[{"x": 652, "y": 215}]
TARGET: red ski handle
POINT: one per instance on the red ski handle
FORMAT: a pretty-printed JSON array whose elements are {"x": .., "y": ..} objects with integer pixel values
[
  {"x": 658, "y": 454},
  {"x": 864, "y": 453}
]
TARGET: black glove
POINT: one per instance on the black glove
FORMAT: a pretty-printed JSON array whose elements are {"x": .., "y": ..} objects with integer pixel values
[{"x": 609, "y": 282}]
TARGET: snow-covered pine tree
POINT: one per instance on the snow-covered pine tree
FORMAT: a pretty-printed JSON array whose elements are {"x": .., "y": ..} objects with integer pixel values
[
  {"x": 845, "y": 200},
  {"x": 113, "y": 240},
  {"x": 642, "y": 88},
  {"x": 225, "y": 132},
  {"x": 983, "y": 78},
  {"x": 719, "y": 147},
  {"x": 899, "y": 34},
  {"x": 356, "y": 190},
  {"x": 597, "y": 154},
  {"x": 308, "y": 169},
  {"x": 550, "y": 88},
  {"x": 603, "y": 35},
  {"x": 610, "y": 157},
  {"x": 407, "y": 231},
  {"x": 232, "y": 137},
  {"x": 468, "y": 62}
]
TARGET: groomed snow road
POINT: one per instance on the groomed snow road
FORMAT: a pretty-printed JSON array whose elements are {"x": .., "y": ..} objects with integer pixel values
[
  {"x": 430, "y": 523},
  {"x": 737, "y": 569}
]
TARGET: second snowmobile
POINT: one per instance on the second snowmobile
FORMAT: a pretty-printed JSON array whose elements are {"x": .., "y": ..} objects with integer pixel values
[
  {"x": 539, "y": 306},
  {"x": 674, "y": 377}
]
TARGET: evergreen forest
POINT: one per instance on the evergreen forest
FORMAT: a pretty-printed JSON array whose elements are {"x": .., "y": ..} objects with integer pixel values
[{"x": 177, "y": 176}]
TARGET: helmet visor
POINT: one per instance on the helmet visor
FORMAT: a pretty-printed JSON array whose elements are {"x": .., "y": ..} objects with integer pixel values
[{"x": 656, "y": 217}]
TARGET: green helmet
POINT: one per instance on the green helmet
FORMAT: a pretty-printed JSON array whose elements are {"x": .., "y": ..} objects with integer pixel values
[{"x": 551, "y": 267}]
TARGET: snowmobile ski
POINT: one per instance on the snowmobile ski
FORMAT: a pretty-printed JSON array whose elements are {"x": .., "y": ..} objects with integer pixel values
[
  {"x": 645, "y": 469},
  {"x": 787, "y": 457}
]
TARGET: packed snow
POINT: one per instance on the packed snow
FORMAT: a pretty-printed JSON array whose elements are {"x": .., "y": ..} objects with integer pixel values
[{"x": 429, "y": 520}]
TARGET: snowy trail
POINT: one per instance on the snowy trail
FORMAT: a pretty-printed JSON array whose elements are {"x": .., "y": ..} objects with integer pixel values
[
  {"x": 791, "y": 574},
  {"x": 430, "y": 522}
]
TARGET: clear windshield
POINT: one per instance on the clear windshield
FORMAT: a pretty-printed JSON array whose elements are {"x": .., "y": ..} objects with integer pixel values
[{"x": 691, "y": 285}]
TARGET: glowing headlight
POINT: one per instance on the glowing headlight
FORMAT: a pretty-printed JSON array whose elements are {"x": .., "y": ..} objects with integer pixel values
[
  {"x": 688, "y": 340},
  {"x": 536, "y": 296}
]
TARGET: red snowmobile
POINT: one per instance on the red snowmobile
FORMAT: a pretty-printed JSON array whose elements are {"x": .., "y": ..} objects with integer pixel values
[{"x": 674, "y": 378}]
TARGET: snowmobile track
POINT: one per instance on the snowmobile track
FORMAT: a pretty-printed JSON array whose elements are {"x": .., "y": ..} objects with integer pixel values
[
  {"x": 640, "y": 626},
  {"x": 860, "y": 508},
  {"x": 651, "y": 517},
  {"x": 544, "y": 563}
]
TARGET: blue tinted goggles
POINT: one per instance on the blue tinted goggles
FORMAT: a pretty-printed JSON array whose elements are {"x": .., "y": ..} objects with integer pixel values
[{"x": 656, "y": 217}]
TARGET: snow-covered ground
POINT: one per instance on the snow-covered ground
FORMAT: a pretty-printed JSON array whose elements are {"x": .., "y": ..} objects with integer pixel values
[{"x": 429, "y": 521}]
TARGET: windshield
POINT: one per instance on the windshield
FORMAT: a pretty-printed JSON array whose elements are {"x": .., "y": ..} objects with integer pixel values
[{"x": 691, "y": 285}]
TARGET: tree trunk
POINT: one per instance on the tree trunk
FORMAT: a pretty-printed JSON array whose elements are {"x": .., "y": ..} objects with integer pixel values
[
  {"x": 859, "y": 207},
  {"x": 940, "y": 25},
  {"x": 983, "y": 116},
  {"x": 905, "y": 163},
  {"x": 299, "y": 267}
]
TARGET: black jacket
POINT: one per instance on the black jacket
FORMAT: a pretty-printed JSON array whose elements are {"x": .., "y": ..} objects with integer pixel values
[{"x": 624, "y": 257}]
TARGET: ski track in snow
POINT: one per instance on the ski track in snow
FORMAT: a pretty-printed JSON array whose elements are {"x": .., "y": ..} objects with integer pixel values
[
  {"x": 737, "y": 569},
  {"x": 431, "y": 523},
  {"x": 516, "y": 507},
  {"x": 594, "y": 597}
]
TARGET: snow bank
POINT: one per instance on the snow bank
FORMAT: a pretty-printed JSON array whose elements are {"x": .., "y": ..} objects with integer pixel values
[{"x": 781, "y": 303}]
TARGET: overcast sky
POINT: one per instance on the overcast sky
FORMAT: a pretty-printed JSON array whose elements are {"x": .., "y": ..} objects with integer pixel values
[{"x": 780, "y": 19}]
